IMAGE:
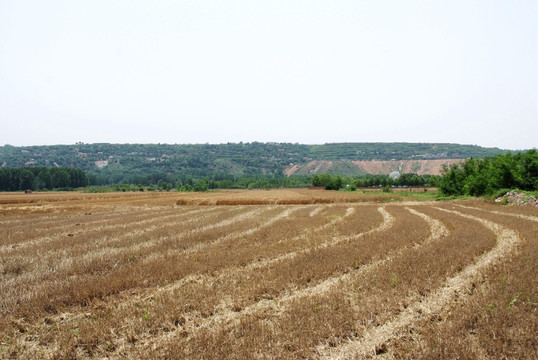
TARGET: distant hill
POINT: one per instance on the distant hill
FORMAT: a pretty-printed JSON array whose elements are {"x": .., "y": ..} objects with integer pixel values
[{"x": 117, "y": 161}]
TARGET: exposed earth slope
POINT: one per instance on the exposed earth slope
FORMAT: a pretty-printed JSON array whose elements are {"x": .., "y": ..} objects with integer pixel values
[{"x": 375, "y": 167}]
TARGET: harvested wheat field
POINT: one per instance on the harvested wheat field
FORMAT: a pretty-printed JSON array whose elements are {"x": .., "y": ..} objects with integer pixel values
[{"x": 287, "y": 274}]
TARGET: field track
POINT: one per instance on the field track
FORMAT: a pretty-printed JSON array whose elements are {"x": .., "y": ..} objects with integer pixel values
[{"x": 284, "y": 274}]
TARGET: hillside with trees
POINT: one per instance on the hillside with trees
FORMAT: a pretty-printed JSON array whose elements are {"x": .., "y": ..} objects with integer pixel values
[{"x": 149, "y": 163}]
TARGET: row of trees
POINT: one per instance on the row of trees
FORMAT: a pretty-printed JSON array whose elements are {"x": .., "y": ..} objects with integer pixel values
[
  {"x": 486, "y": 176},
  {"x": 336, "y": 182},
  {"x": 244, "y": 182},
  {"x": 44, "y": 178},
  {"x": 188, "y": 184},
  {"x": 403, "y": 180},
  {"x": 329, "y": 182},
  {"x": 41, "y": 178}
]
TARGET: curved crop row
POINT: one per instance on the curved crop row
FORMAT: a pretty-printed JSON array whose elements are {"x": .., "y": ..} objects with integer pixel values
[{"x": 266, "y": 281}]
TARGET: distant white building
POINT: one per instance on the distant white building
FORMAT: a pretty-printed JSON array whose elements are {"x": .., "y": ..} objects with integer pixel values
[{"x": 394, "y": 175}]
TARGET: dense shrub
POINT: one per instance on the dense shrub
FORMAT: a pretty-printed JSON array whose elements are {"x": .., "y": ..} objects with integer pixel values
[{"x": 487, "y": 176}]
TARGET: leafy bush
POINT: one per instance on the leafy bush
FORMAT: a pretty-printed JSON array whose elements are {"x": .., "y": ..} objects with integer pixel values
[{"x": 477, "y": 177}]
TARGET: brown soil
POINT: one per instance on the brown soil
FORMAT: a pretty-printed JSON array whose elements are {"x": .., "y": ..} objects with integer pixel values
[
  {"x": 377, "y": 167},
  {"x": 420, "y": 167},
  {"x": 298, "y": 274}
]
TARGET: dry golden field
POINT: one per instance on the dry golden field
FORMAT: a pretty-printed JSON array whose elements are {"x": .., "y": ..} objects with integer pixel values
[{"x": 284, "y": 274}]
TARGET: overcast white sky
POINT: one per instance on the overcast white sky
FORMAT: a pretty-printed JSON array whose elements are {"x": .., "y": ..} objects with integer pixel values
[{"x": 287, "y": 71}]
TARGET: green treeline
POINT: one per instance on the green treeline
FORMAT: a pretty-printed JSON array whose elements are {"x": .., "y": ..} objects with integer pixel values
[
  {"x": 487, "y": 176},
  {"x": 329, "y": 182},
  {"x": 245, "y": 182},
  {"x": 336, "y": 182},
  {"x": 65, "y": 178},
  {"x": 188, "y": 184},
  {"x": 41, "y": 178}
]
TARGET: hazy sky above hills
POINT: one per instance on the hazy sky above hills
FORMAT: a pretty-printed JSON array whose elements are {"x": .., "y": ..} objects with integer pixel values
[{"x": 287, "y": 71}]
